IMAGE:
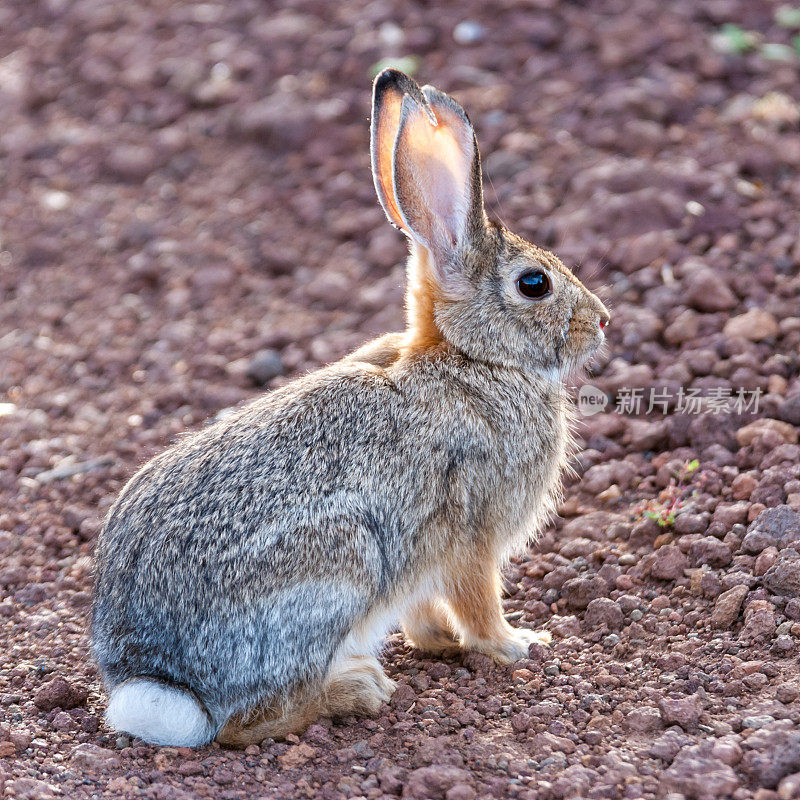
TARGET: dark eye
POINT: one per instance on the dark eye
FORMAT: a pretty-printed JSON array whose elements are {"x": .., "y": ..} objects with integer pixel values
[{"x": 534, "y": 285}]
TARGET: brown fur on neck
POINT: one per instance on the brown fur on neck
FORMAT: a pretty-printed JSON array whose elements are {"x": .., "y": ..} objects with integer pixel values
[{"x": 422, "y": 332}]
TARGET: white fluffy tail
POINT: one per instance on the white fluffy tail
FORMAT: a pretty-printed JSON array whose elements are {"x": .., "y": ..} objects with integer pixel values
[{"x": 159, "y": 713}]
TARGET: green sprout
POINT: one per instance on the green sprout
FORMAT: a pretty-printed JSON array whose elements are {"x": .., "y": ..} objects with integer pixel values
[
  {"x": 734, "y": 40},
  {"x": 407, "y": 64},
  {"x": 675, "y": 498}
]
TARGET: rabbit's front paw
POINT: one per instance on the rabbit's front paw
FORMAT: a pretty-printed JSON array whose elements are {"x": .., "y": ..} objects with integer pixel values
[{"x": 514, "y": 647}]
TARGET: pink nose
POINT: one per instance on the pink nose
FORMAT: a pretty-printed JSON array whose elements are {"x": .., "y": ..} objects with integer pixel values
[{"x": 603, "y": 323}]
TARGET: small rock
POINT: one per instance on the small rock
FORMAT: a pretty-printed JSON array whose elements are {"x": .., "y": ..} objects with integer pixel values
[
  {"x": 684, "y": 711},
  {"x": 642, "y": 435},
  {"x": 727, "y": 751},
  {"x": 706, "y": 292},
  {"x": 669, "y": 744},
  {"x": 711, "y": 551},
  {"x": 774, "y": 527},
  {"x": 743, "y": 486},
  {"x": 434, "y": 782},
  {"x": 520, "y": 723},
  {"x": 754, "y": 325},
  {"x": 772, "y": 755},
  {"x": 644, "y": 720},
  {"x": 696, "y": 774},
  {"x": 747, "y": 434},
  {"x": 783, "y": 577},
  {"x": 579, "y": 592},
  {"x": 726, "y": 609},
  {"x": 264, "y": 366},
  {"x": 131, "y": 162},
  {"x": 404, "y": 697},
  {"x": 669, "y": 563},
  {"x": 296, "y": 756},
  {"x": 759, "y": 620},
  {"x": 30, "y": 789},
  {"x": 603, "y": 612},
  {"x": 92, "y": 757},
  {"x": 757, "y": 721},
  {"x": 789, "y": 787},
  {"x": 59, "y": 693},
  {"x": 789, "y": 409},
  {"x": 280, "y": 120},
  {"x": 21, "y": 740},
  {"x": 468, "y": 33},
  {"x": 786, "y": 693},
  {"x": 63, "y": 721}
]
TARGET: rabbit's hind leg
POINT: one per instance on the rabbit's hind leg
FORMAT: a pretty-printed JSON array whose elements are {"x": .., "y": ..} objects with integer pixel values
[
  {"x": 357, "y": 685},
  {"x": 269, "y": 722},
  {"x": 426, "y": 626}
]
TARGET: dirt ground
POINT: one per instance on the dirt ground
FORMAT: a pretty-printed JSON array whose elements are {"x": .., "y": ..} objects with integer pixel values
[{"x": 187, "y": 216}]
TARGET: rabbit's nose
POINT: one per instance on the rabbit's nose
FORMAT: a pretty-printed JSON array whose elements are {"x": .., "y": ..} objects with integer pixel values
[{"x": 605, "y": 318}]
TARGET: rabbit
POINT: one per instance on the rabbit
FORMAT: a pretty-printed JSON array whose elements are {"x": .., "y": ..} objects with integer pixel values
[{"x": 246, "y": 576}]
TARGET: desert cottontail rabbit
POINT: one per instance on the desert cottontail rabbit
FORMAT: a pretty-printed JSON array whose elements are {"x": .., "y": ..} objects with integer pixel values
[{"x": 246, "y": 576}]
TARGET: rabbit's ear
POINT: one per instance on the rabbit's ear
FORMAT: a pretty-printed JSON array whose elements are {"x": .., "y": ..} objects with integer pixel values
[
  {"x": 437, "y": 179},
  {"x": 390, "y": 87}
]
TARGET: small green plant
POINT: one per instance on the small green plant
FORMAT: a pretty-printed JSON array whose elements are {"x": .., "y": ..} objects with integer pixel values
[
  {"x": 407, "y": 64},
  {"x": 734, "y": 40},
  {"x": 675, "y": 498}
]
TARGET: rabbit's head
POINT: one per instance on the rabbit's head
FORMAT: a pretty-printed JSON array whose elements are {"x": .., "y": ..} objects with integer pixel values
[{"x": 486, "y": 291}]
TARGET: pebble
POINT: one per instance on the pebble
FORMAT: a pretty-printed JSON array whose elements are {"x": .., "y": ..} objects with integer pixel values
[
  {"x": 754, "y": 325},
  {"x": 759, "y": 620},
  {"x": 684, "y": 711},
  {"x": 92, "y": 757},
  {"x": 468, "y": 33},
  {"x": 695, "y": 773},
  {"x": 789, "y": 409},
  {"x": 644, "y": 720},
  {"x": 435, "y": 781},
  {"x": 771, "y": 755},
  {"x": 282, "y": 120},
  {"x": 789, "y": 787},
  {"x": 579, "y": 592},
  {"x": 59, "y": 693},
  {"x": 705, "y": 292},
  {"x": 131, "y": 162},
  {"x": 727, "y": 606},
  {"x": 710, "y": 551},
  {"x": 783, "y": 577},
  {"x": 264, "y": 366},
  {"x": 603, "y": 612},
  {"x": 777, "y": 527},
  {"x": 782, "y": 430},
  {"x": 669, "y": 563}
]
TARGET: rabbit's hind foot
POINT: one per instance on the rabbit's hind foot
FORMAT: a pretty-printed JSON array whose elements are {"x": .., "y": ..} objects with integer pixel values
[{"x": 356, "y": 686}]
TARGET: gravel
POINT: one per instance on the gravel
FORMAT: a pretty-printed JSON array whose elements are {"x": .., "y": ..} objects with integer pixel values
[{"x": 188, "y": 218}]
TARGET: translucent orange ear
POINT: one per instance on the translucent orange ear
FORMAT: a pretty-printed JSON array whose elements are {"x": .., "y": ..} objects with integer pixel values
[
  {"x": 427, "y": 171},
  {"x": 433, "y": 172},
  {"x": 390, "y": 87}
]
